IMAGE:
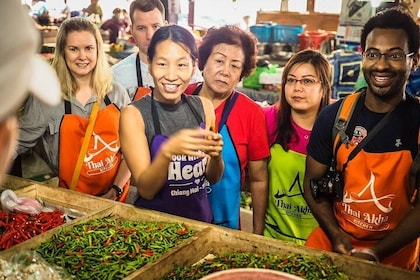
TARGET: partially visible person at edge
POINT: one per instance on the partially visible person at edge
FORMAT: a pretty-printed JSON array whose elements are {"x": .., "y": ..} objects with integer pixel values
[
  {"x": 305, "y": 91},
  {"x": 132, "y": 72},
  {"x": 23, "y": 73},
  {"x": 94, "y": 9},
  {"x": 86, "y": 80},
  {"x": 166, "y": 137},
  {"x": 226, "y": 55},
  {"x": 375, "y": 219},
  {"x": 115, "y": 25}
]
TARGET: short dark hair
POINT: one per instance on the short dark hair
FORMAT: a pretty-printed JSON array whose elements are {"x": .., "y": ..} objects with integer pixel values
[
  {"x": 146, "y": 6},
  {"x": 177, "y": 34},
  {"x": 231, "y": 35},
  {"x": 393, "y": 18}
]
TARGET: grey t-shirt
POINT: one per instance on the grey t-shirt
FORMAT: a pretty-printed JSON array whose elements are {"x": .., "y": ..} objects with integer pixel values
[
  {"x": 40, "y": 123},
  {"x": 172, "y": 117}
]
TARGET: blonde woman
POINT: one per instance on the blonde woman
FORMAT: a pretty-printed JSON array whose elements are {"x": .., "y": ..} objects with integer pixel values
[{"x": 86, "y": 80}]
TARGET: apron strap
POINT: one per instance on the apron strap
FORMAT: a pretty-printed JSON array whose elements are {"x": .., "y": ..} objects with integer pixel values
[
  {"x": 415, "y": 173},
  {"x": 194, "y": 111},
  {"x": 138, "y": 69},
  {"x": 88, "y": 133},
  {"x": 107, "y": 100},
  {"x": 230, "y": 101},
  {"x": 67, "y": 105},
  {"x": 155, "y": 115}
]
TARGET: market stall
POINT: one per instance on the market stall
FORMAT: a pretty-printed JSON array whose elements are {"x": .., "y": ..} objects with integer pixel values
[{"x": 186, "y": 241}]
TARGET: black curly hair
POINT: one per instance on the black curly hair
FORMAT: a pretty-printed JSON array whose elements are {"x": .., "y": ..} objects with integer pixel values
[{"x": 393, "y": 18}]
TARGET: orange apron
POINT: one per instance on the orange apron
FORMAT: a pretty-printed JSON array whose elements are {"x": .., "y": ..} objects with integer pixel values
[
  {"x": 374, "y": 202},
  {"x": 141, "y": 90},
  {"x": 103, "y": 156}
]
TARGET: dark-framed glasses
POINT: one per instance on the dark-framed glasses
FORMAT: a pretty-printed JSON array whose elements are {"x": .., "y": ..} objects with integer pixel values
[
  {"x": 307, "y": 82},
  {"x": 392, "y": 56}
]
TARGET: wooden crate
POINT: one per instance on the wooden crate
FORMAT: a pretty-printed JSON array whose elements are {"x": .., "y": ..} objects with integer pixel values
[
  {"x": 71, "y": 202},
  {"x": 130, "y": 212},
  {"x": 14, "y": 183},
  {"x": 211, "y": 239},
  {"x": 219, "y": 240},
  {"x": 65, "y": 198}
]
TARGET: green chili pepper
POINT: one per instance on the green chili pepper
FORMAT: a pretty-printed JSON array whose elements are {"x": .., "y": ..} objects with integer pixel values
[{"x": 110, "y": 247}]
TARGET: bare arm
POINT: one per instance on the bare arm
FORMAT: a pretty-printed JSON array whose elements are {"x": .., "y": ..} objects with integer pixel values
[
  {"x": 406, "y": 232},
  {"x": 123, "y": 175},
  {"x": 137, "y": 155},
  {"x": 258, "y": 178},
  {"x": 150, "y": 176},
  {"x": 322, "y": 208}
]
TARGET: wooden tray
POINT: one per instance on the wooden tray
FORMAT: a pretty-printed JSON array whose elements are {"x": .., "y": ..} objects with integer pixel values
[
  {"x": 65, "y": 198},
  {"x": 14, "y": 183},
  {"x": 220, "y": 241},
  {"x": 211, "y": 239},
  {"x": 130, "y": 212}
]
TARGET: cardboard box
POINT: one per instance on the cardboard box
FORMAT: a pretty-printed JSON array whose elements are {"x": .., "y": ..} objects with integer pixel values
[
  {"x": 246, "y": 217},
  {"x": 355, "y": 12}
]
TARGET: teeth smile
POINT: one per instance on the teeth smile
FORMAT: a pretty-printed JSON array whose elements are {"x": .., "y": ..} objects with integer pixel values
[
  {"x": 170, "y": 87},
  {"x": 381, "y": 79}
]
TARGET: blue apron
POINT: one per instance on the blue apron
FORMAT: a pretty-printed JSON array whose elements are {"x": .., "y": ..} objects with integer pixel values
[{"x": 225, "y": 195}]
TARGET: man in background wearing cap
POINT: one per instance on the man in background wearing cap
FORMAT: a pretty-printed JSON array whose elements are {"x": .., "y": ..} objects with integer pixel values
[{"x": 21, "y": 73}]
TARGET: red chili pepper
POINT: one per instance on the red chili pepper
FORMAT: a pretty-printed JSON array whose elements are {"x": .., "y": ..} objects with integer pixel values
[
  {"x": 148, "y": 252},
  {"x": 18, "y": 226}
]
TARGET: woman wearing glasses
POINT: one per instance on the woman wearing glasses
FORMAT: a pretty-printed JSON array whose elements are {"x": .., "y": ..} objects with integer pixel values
[{"x": 305, "y": 90}]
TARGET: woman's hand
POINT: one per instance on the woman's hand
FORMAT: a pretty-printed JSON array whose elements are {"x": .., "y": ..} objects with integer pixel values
[
  {"x": 111, "y": 194},
  {"x": 193, "y": 142},
  {"x": 214, "y": 145}
]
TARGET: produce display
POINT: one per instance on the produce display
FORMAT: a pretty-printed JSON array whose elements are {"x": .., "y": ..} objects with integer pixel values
[
  {"x": 111, "y": 247},
  {"x": 303, "y": 266},
  {"x": 246, "y": 200},
  {"x": 28, "y": 265},
  {"x": 17, "y": 226}
]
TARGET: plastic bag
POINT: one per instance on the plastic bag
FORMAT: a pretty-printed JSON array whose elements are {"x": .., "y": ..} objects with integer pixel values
[
  {"x": 29, "y": 265},
  {"x": 10, "y": 202},
  {"x": 253, "y": 80}
]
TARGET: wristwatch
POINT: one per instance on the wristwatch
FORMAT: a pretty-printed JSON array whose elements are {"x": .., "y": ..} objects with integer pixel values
[{"x": 118, "y": 190}]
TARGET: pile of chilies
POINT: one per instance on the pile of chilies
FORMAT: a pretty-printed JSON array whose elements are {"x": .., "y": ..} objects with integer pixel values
[
  {"x": 16, "y": 227},
  {"x": 306, "y": 267},
  {"x": 111, "y": 247}
]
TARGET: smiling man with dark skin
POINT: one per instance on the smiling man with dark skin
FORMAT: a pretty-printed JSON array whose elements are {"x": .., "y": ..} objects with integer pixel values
[{"x": 377, "y": 216}]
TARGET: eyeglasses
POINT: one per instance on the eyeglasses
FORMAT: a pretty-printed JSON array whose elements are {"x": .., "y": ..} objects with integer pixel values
[
  {"x": 393, "y": 56},
  {"x": 307, "y": 82}
]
